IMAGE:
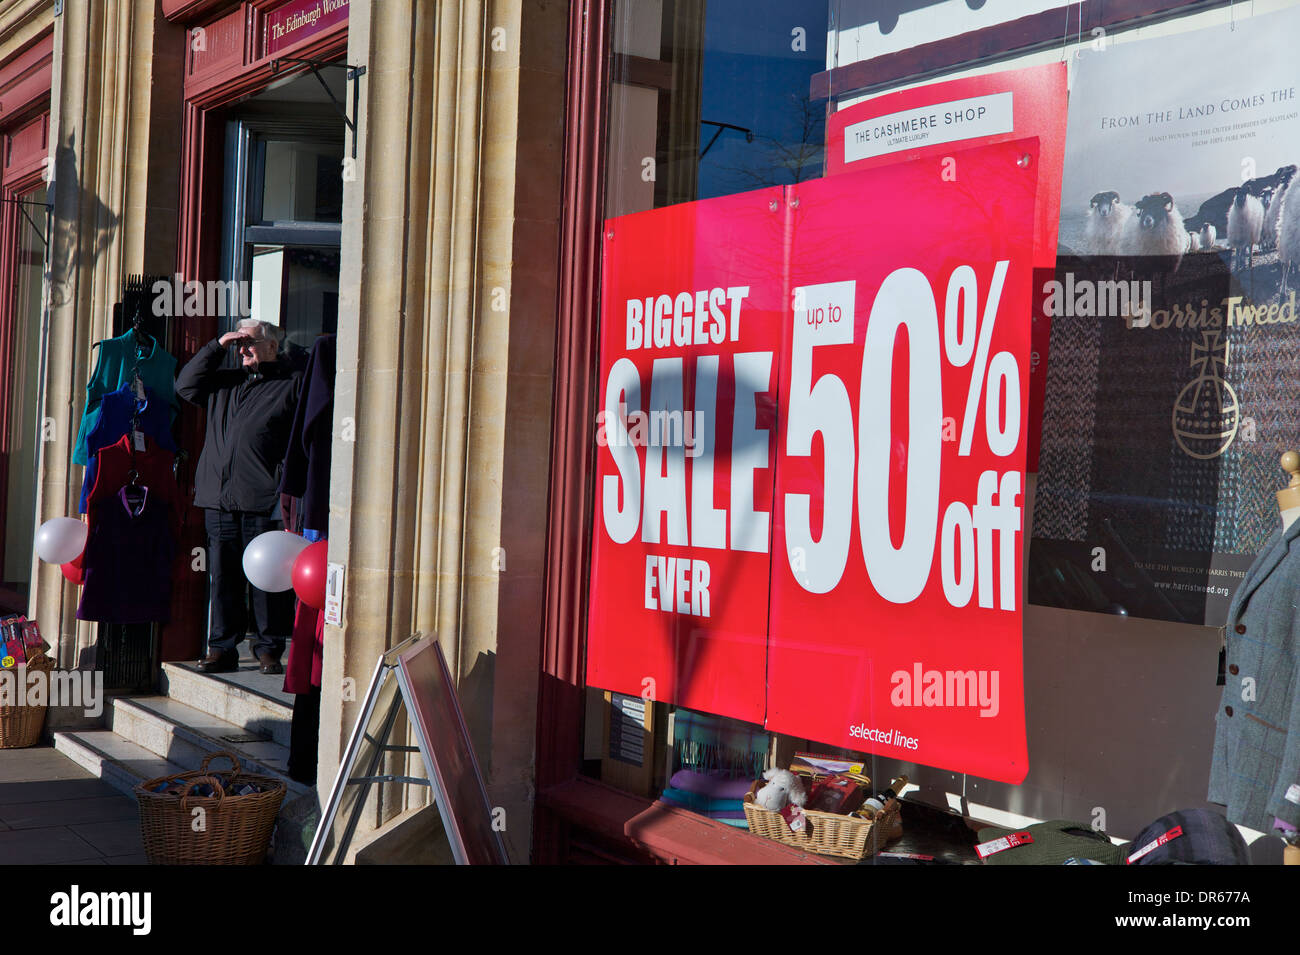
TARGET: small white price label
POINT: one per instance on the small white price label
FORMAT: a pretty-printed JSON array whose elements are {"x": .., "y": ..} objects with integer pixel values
[
  {"x": 1156, "y": 843},
  {"x": 986, "y": 849}
]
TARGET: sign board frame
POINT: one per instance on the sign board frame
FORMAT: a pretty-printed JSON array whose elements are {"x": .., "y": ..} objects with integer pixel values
[{"x": 426, "y": 693}]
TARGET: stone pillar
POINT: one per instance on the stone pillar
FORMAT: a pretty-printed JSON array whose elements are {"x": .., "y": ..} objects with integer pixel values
[{"x": 446, "y": 351}]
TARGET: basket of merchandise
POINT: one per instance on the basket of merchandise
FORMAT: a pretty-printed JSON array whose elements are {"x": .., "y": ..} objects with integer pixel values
[
  {"x": 22, "y": 712},
  {"x": 831, "y": 813},
  {"x": 234, "y": 828}
]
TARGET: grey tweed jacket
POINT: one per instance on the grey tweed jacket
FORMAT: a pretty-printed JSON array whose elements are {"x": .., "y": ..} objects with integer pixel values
[{"x": 1256, "y": 767}]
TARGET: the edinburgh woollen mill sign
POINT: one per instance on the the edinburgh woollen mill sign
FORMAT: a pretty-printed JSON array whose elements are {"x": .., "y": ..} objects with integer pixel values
[{"x": 296, "y": 21}]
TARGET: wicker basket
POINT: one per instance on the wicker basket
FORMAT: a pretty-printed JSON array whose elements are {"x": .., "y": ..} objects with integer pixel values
[
  {"x": 828, "y": 833},
  {"x": 21, "y": 725},
  {"x": 235, "y": 830}
]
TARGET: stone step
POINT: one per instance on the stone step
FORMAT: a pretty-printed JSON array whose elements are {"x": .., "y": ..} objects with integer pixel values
[
  {"x": 117, "y": 761},
  {"x": 247, "y": 699},
  {"x": 185, "y": 735},
  {"x": 124, "y": 764}
]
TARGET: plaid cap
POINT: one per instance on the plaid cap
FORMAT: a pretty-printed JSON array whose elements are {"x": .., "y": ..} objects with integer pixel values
[
  {"x": 1205, "y": 838},
  {"x": 1054, "y": 842}
]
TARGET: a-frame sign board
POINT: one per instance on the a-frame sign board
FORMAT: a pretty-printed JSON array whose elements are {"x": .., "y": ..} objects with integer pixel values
[{"x": 412, "y": 678}]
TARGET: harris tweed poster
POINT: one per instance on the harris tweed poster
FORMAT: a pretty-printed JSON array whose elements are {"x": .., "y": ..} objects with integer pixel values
[{"x": 1175, "y": 344}]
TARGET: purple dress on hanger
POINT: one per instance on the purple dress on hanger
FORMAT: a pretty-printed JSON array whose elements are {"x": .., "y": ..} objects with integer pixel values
[{"x": 132, "y": 536}]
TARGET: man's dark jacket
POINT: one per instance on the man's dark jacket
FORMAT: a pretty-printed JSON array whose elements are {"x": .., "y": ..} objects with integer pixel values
[{"x": 249, "y": 417}]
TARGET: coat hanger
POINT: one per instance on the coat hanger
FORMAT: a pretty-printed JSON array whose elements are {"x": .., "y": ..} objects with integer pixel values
[
  {"x": 144, "y": 342},
  {"x": 137, "y": 388},
  {"x": 133, "y": 494}
]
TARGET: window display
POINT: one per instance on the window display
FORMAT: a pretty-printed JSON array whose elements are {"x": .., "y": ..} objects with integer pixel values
[
  {"x": 1170, "y": 383},
  {"x": 820, "y": 406}
]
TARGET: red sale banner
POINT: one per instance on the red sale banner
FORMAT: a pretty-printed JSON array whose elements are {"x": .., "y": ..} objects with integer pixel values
[
  {"x": 811, "y": 458},
  {"x": 934, "y": 120},
  {"x": 693, "y": 296},
  {"x": 900, "y": 477}
]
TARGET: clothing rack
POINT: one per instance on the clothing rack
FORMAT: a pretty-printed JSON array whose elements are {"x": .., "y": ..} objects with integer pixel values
[{"x": 129, "y": 653}]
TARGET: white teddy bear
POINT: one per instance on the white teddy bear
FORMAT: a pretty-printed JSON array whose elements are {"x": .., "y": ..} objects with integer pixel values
[{"x": 782, "y": 787}]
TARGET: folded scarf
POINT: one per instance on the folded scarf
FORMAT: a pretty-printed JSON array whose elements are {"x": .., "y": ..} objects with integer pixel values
[
  {"x": 710, "y": 743},
  {"x": 712, "y": 785},
  {"x": 697, "y": 802},
  {"x": 710, "y": 813}
]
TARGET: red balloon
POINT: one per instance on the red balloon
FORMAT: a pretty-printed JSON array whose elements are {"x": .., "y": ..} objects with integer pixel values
[
  {"x": 74, "y": 571},
  {"x": 309, "y": 574}
]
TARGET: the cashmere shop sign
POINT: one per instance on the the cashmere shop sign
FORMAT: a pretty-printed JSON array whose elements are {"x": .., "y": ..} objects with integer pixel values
[
  {"x": 299, "y": 19},
  {"x": 811, "y": 458}
]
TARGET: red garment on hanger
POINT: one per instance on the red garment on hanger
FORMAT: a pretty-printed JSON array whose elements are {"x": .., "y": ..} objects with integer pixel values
[
  {"x": 153, "y": 467},
  {"x": 130, "y": 549},
  {"x": 306, "y": 650}
]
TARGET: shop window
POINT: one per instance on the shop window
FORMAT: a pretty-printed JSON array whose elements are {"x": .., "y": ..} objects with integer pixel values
[
  {"x": 709, "y": 101},
  {"x": 300, "y": 181},
  {"x": 705, "y": 100}
]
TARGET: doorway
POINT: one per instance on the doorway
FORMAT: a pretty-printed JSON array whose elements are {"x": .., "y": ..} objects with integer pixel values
[{"x": 284, "y": 212}]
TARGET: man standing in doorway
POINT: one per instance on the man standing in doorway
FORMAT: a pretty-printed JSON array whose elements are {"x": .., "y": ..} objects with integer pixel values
[{"x": 250, "y": 412}]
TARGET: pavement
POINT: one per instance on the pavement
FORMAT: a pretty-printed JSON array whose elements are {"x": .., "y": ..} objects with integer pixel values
[{"x": 53, "y": 812}]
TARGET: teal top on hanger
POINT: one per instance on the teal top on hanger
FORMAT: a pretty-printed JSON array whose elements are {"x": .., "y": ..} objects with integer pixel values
[{"x": 117, "y": 359}]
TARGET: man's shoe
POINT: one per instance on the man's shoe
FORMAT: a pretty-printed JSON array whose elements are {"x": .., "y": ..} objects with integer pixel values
[
  {"x": 270, "y": 664},
  {"x": 218, "y": 661}
]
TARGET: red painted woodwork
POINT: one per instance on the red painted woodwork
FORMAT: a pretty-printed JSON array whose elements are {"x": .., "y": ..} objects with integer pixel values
[
  {"x": 636, "y": 830},
  {"x": 231, "y": 65},
  {"x": 679, "y": 837},
  {"x": 25, "y": 80},
  {"x": 560, "y": 701},
  {"x": 219, "y": 50},
  {"x": 11, "y": 221},
  {"x": 198, "y": 257},
  {"x": 191, "y": 11}
]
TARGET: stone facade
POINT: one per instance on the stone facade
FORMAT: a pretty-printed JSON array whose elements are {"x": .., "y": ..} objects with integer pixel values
[{"x": 446, "y": 329}]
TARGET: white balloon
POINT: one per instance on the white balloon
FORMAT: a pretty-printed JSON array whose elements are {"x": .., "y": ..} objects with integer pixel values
[
  {"x": 268, "y": 560},
  {"x": 60, "y": 540}
]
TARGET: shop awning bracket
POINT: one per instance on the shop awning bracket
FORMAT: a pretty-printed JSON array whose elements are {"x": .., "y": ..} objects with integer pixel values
[
  {"x": 49, "y": 211},
  {"x": 354, "y": 75}
]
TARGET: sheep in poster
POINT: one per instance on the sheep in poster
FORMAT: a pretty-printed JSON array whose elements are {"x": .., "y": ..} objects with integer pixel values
[
  {"x": 1209, "y": 236},
  {"x": 1268, "y": 237},
  {"x": 1288, "y": 238},
  {"x": 1156, "y": 231},
  {"x": 1245, "y": 225},
  {"x": 1107, "y": 219},
  {"x": 1193, "y": 242}
]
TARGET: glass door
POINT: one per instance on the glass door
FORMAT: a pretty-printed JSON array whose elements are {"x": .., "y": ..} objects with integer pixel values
[{"x": 284, "y": 229}]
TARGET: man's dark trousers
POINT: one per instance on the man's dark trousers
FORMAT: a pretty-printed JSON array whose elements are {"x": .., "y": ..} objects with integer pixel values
[{"x": 229, "y": 532}]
